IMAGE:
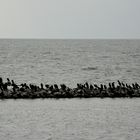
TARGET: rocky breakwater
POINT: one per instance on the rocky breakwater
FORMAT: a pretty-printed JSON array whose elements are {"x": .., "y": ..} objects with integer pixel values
[{"x": 11, "y": 90}]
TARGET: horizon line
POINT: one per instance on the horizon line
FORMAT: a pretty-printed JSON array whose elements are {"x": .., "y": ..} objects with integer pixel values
[{"x": 43, "y": 38}]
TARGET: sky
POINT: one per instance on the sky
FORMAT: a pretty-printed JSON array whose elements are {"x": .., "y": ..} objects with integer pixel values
[{"x": 69, "y": 18}]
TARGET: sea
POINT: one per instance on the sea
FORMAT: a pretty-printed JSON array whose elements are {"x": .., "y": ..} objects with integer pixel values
[{"x": 70, "y": 61}]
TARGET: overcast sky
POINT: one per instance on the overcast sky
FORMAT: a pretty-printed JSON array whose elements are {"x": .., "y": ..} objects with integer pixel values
[{"x": 69, "y": 18}]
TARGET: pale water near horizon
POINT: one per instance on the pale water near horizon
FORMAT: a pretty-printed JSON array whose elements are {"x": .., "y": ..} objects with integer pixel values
[
  {"x": 70, "y": 62},
  {"x": 70, "y": 119}
]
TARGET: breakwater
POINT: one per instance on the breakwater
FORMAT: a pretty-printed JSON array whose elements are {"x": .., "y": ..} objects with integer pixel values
[{"x": 11, "y": 90}]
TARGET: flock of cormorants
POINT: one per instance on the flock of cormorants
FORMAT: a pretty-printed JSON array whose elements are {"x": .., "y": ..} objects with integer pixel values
[{"x": 10, "y": 90}]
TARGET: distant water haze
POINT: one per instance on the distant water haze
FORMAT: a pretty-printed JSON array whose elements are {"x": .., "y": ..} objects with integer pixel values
[{"x": 70, "y": 61}]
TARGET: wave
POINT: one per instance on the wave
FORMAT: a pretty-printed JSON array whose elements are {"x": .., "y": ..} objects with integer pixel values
[{"x": 90, "y": 68}]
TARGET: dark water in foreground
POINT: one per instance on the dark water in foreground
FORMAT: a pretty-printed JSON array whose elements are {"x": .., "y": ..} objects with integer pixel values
[{"x": 70, "y": 119}]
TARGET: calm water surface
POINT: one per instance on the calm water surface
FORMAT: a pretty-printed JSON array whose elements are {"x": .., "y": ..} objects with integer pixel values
[
  {"x": 70, "y": 119},
  {"x": 70, "y": 61}
]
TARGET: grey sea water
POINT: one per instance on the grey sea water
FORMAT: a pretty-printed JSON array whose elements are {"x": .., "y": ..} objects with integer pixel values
[
  {"x": 70, "y": 62},
  {"x": 70, "y": 119}
]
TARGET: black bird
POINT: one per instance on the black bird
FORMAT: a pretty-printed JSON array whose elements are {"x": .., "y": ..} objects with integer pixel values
[
  {"x": 8, "y": 82},
  {"x": 91, "y": 87},
  {"x": 96, "y": 86},
  {"x": 113, "y": 85},
  {"x": 86, "y": 85},
  {"x": 63, "y": 86},
  {"x": 119, "y": 83},
  {"x": 110, "y": 86},
  {"x": 105, "y": 87},
  {"x": 42, "y": 86},
  {"x": 79, "y": 86},
  {"x": 127, "y": 85},
  {"x": 123, "y": 84},
  {"x": 47, "y": 86},
  {"x": 5, "y": 86},
  {"x": 1, "y": 80},
  {"x": 51, "y": 88},
  {"x": 101, "y": 87},
  {"x": 137, "y": 85},
  {"x": 133, "y": 85},
  {"x": 55, "y": 86},
  {"x": 14, "y": 85},
  {"x": 1, "y": 84}
]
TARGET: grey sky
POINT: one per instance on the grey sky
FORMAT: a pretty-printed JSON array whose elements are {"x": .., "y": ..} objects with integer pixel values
[{"x": 69, "y": 18}]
